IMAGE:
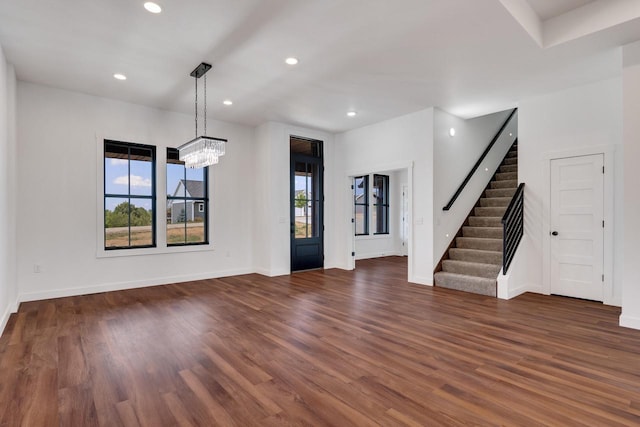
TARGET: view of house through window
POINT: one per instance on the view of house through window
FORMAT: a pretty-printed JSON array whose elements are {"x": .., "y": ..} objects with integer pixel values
[
  {"x": 306, "y": 201},
  {"x": 187, "y": 202},
  {"x": 129, "y": 195},
  {"x": 361, "y": 201},
  {"x": 379, "y": 204},
  {"x": 380, "y": 214}
]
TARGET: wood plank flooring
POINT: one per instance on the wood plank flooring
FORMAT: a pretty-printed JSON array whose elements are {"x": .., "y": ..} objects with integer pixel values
[{"x": 330, "y": 348}]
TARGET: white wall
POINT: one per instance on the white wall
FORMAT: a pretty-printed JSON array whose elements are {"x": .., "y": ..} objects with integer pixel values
[
  {"x": 631, "y": 260},
  {"x": 373, "y": 246},
  {"x": 57, "y": 197},
  {"x": 8, "y": 286},
  {"x": 453, "y": 158},
  {"x": 564, "y": 123},
  {"x": 402, "y": 143},
  {"x": 272, "y": 186},
  {"x": 515, "y": 282},
  {"x": 263, "y": 220}
]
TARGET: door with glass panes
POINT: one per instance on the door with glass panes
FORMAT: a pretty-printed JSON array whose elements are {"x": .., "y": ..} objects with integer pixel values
[{"x": 307, "y": 248}]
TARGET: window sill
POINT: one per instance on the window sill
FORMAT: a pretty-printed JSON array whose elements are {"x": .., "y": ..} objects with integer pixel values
[
  {"x": 114, "y": 253},
  {"x": 373, "y": 236}
]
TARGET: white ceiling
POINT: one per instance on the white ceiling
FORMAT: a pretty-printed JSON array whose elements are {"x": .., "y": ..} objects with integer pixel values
[
  {"x": 547, "y": 9},
  {"x": 382, "y": 58}
]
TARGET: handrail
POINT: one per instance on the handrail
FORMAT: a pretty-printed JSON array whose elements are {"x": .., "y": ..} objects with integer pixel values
[
  {"x": 512, "y": 227},
  {"x": 479, "y": 162}
]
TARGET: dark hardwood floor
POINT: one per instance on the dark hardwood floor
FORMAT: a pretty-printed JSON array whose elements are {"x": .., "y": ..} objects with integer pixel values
[{"x": 330, "y": 348}]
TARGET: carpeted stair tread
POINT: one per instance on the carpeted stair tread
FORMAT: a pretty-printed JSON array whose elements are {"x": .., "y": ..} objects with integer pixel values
[
  {"x": 488, "y": 271},
  {"x": 506, "y": 176},
  {"x": 508, "y": 168},
  {"x": 504, "y": 184},
  {"x": 488, "y": 202},
  {"x": 500, "y": 192},
  {"x": 482, "y": 221},
  {"x": 481, "y": 243},
  {"x": 512, "y": 154},
  {"x": 460, "y": 282},
  {"x": 476, "y": 255},
  {"x": 510, "y": 161},
  {"x": 485, "y": 232},
  {"x": 492, "y": 211}
]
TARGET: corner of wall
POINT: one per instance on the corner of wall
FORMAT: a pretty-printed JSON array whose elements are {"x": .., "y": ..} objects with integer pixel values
[
  {"x": 8, "y": 190},
  {"x": 629, "y": 321},
  {"x": 514, "y": 283}
]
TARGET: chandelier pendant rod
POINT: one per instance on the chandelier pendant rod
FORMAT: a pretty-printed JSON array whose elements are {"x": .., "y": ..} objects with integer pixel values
[
  {"x": 197, "y": 107},
  {"x": 203, "y": 150},
  {"x": 205, "y": 105}
]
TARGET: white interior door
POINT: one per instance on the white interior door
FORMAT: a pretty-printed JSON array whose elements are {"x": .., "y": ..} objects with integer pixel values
[
  {"x": 577, "y": 233},
  {"x": 404, "y": 231}
]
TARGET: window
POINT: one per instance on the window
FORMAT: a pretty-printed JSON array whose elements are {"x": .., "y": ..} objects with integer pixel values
[
  {"x": 361, "y": 201},
  {"x": 381, "y": 204},
  {"x": 129, "y": 195},
  {"x": 187, "y": 203}
]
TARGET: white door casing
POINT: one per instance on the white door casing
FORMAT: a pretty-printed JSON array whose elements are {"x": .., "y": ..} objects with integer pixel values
[
  {"x": 577, "y": 215},
  {"x": 404, "y": 231}
]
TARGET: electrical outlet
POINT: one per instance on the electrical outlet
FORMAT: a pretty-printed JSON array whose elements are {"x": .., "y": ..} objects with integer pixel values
[{"x": 37, "y": 268}]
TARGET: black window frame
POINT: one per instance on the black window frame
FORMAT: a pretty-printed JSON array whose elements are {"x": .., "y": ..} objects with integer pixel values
[
  {"x": 129, "y": 146},
  {"x": 364, "y": 204},
  {"x": 173, "y": 153},
  {"x": 383, "y": 206}
]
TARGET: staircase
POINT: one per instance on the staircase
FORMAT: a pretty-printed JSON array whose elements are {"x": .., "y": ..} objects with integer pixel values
[{"x": 473, "y": 262}]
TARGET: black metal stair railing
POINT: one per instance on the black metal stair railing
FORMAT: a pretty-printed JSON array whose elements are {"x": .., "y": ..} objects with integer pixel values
[
  {"x": 479, "y": 162},
  {"x": 512, "y": 228}
]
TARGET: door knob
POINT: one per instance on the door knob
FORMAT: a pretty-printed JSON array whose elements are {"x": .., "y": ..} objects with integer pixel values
[{"x": 554, "y": 233}]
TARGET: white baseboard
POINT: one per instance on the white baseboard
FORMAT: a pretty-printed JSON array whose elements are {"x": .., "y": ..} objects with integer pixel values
[
  {"x": 536, "y": 290},
  {"x": 512, "y": 293},
  {"x": 119, "y": 286},
  {"x": 376, "y": 255},
  {"x": 505, "y": 292},
  {"x": 630, "y": 322},
  {"x": 5, "y": 318},
  {"x": 262, "y": 271},
  {"x": 427, "y": 281},
  {"x": 616, "y": 302}
]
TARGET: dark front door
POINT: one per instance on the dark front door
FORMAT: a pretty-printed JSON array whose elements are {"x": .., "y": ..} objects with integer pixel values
[{"x": 307, "y": 249}]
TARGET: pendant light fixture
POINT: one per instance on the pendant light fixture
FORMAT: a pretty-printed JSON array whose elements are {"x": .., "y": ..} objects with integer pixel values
[{"x": 203, "y": 150}]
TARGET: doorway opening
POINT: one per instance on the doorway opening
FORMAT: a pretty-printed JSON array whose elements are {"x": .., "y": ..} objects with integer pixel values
[{"x": 380, "y": 215}]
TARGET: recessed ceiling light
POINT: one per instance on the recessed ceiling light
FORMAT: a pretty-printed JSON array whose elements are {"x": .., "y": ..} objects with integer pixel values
[
  {"x": 119, "y": 76},
  {"x": 291, "y": 60},
  {"x": 352, "y": 114},
  {"x": 152, "y": 7},
  {"x": 510, "y": 134},
  {"x": 227, "y": 102},
  {"x": 452, "y": 132}
]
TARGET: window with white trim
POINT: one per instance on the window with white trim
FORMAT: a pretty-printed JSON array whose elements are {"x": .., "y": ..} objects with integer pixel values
[
  {"x": 129, "y": 195},
  {"x": 380, "y": 212},
  {"x": 187, "y": 203}
]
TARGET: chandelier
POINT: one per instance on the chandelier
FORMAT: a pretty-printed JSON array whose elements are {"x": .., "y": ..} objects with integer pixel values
[{"x": 203, "y": 150}]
